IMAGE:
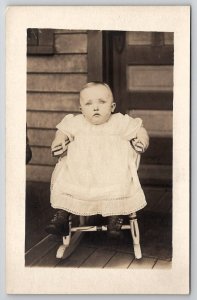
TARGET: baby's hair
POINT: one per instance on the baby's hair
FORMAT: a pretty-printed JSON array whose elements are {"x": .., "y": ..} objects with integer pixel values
[{"x": 95, "y": 83}]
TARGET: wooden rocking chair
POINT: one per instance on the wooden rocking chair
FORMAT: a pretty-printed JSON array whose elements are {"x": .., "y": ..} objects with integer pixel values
[{"x": 70, "y": 243}]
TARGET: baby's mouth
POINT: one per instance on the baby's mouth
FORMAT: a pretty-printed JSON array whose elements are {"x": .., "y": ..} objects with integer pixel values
[{"x": 96, "y": 115}]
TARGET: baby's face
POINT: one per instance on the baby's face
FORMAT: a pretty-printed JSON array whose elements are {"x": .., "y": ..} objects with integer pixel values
[{"x": 96, "y": 104}]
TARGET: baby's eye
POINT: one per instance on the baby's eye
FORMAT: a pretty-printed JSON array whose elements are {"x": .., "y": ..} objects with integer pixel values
[
  {"x": 88, "y": 103},
  {"x": 102, "y": 101}
]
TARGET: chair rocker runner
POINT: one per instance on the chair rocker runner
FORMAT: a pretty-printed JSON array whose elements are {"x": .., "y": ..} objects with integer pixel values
[{"x": 70, "y": 243}]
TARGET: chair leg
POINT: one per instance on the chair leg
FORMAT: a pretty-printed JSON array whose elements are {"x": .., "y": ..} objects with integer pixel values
[
  {"x": 82, "y": 220},
  {"x": 66, "y": 242},
  {"x": 70, "y": 244},
  {"x": 135, "y": 235}
]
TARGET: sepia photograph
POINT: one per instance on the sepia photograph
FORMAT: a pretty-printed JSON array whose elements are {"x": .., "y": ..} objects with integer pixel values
[
  {"x": 97, "y": 137},
  {"x": 125, "y": 77}
]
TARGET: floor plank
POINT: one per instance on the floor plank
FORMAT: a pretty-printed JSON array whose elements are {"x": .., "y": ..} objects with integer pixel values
[
  {"x": 38, "y": 251},
  {"x": 77, "y": 258},
  {"x": 120, "y": 260},
  {"x": 49, "y": 260},
  {"x": 144, "y": 263},
  {"x": 156, "y": 235},
  {"x": 162, "y": 264},
  {"x": 98, "y": 259},
  {"x": 35, "y": 228}
]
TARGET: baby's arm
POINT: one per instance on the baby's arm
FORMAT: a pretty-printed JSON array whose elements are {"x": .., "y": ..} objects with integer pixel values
[
  {"x": 141, "y": 141},
  {"x": 59, "y": 144}
]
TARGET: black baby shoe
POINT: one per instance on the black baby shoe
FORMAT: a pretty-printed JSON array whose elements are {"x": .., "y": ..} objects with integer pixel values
[
  {"x": 59, "y": 224},
  {"x": 114, "y": 225}
]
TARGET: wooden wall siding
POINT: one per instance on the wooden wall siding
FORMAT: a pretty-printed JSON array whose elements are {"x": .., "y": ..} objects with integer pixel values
[
  {"x": 150, "y": 101},
  {"x": 157, "y": 123},
  {"x": 55, "y": 82},
  {"x": 62, "y": 102},
  {"x": 41, "y": 137},
  {"x": 155, "y": 174},
  {"x": 149, "y": 55},
  {"x": 146, "y": 38},
  {"x": 139, "y": 38},
  {"x": 40, "y": 41},
  {"x": 53, "y": 85},
  {"x": 40, "y": 154},
  {"x": 159, "y": 151},
  {"x": 57, "y": 64},
  {"x": 71, "y": 43},
  {"x": 69, "y": 31},
  {"x": 150, "y": 78},
  {"x": 169, "y": 38},
  {"x": 48, "y": 120},
  {"x": 39, "y": 173}
]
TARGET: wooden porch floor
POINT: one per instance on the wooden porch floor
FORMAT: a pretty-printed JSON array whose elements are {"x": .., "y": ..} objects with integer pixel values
[
  {"x": 97, "y": 250},
  {"x": 87, "y": 255}
]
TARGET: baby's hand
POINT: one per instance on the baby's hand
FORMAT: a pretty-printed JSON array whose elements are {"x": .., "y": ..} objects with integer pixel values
[
  {"x": 59, "y": 147},
  {"x": 137, "y": 145}
]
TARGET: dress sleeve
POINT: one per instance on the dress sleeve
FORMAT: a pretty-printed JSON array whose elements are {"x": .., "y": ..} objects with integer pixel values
[
  {"x": 68, "y": 126},
  {"x": 143, "y": 137},
  {"x": 130, "y": 127}
]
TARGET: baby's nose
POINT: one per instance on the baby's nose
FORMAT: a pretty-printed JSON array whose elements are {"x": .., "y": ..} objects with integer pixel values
[{"x": 96, "y": 107}]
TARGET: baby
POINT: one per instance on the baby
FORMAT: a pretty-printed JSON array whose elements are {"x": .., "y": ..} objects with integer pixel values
[{"x": 98, "y": 174}]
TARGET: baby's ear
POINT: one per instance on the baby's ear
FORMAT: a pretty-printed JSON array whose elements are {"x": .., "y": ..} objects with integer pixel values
[{"x": 113, "y": 106}]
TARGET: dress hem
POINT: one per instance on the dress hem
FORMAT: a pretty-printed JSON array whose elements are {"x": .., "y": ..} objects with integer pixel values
[
  {"x": 119, "y": 206},
  {"x": 99, "y": 212}
]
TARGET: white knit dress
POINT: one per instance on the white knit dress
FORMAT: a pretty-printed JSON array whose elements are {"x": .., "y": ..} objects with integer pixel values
[{"x": 99, "y": 173}]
